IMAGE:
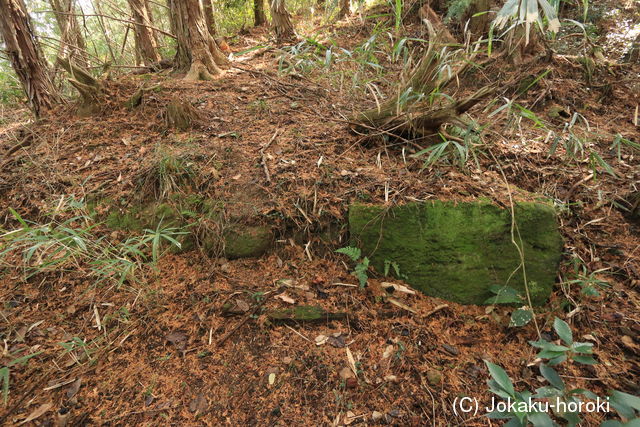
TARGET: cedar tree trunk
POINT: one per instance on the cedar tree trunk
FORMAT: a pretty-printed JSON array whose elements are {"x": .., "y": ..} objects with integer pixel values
[
  {"x": 72, "y": 42},
  {"x": 259, "y": 17},
  {"x": 26, "y": 56},
  {"x": 146, "y": 46},
  {"x": 208, "y": 17},
  {"x": 281, "y": 19},
  {"x": 197, "y": 51},
  {"x": 478, "y": 18}
]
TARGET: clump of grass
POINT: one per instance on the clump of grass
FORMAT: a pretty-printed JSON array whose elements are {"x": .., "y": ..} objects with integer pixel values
[{"x": 168, "y": 174}]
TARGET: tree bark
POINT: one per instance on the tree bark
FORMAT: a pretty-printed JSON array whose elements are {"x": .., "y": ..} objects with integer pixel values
[
  {"x": 259, "y": 17},
  {"x": 26, "y": 56},
  {"x": 281, "y": 19},
  {"x": 208, "y": 17},
  {"x": 73, "y": 45},
  {"x": 426, "y": 13},
  {"x": 146, "y": 46},
  {"x": 197, "y": 51},
  {"x": 478, "y": 25}
]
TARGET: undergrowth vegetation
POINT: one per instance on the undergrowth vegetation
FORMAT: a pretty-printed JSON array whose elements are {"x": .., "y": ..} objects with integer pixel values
[
  {"x": 59, "y": 245},
  {"x": 557, "y": 398}
]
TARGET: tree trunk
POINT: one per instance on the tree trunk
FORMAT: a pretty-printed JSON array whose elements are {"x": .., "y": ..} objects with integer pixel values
[
  {"x": 345, "y": 8},
  {"x": 426, "y": 13},
  {"x": 146, "y": 47},
  {"x": 197, "y": 51},
  {"x": 152, "y": 21},
  {"x": 208, "y": 17},
  {"x": 478, "y": 18},
  {"x": 259, "y": 17},
  {"x": 26, "y": 56},
  {"x": 281, "y": 19},
  {"x": 72, "y": 42}
]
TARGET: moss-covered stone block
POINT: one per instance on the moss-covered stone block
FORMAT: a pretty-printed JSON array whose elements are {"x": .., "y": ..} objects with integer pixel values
[
  {"x": 247, "y": 241},
  {"x": 458, "y": 251}
]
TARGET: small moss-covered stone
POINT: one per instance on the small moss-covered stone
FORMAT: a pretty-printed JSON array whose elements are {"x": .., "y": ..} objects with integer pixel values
[
  {"x": 458, "y": 251},
  {"x": 246, "y": 242},
  {"x": 239, "y": 241},
  {"x": 304, "y": 313}
]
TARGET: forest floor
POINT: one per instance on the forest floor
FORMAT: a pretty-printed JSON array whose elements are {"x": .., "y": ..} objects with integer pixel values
[{"x": 163, "y": 351}]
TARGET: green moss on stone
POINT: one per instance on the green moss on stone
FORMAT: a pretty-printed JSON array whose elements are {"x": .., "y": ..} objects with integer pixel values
[
  {"x": 457, "y": 251},
  {"x": 246, "y": 242}
]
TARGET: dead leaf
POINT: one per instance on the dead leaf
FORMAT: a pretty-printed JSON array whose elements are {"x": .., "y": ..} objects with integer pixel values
[
  {"x": 199, "y": 404},
  {"x": 387, "y": 352},
  {"x": 349, "y": 418},
  {"x": 346, "y": 373},
  {"x": 337, "y": 341},
  {"x": 21, "y": 333},
  {"x": 177, "y": 338},
  {"x": 38, "y": 412},
  {"x": 286, "y": 298},
  {"x": 243, "y": 305},
  {"x": 73, "y": 388},
  {"x": 321, "y": 339},
  {"x": 627, "y": 341}
]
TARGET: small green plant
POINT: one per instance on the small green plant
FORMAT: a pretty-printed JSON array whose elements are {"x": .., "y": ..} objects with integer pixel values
[
  {"x": 77, "y": 344},
  {"x": 579, "y": 149},
  {"x": 580, "y": 352},
  {"x": 510, "y": 296},
  {"x": 168, "y": 174},
  {"x": 454, "y": 150},
  {"x": 619, "y": 142},
  {"x": 388, "y": 265},
  {"x": 360, "y": 271},
  {"x": 526, "y": 12},
  {"x": 627, "y": 406},
  {"x": 501, "y": 385},
  {"x": 556, "y": 398},
  {"x": 588, "y": 281},
  {"x": 5, "y": 372}
]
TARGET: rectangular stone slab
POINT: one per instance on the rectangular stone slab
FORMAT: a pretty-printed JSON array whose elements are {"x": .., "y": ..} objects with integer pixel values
[{"x": 456, "y": 251}]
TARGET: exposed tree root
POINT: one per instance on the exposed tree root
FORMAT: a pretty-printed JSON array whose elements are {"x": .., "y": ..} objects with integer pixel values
[
  {"x": 181, "y": 115},
  {"x": 89, "y": 87},
  {"x": 418, "y": 108}
]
